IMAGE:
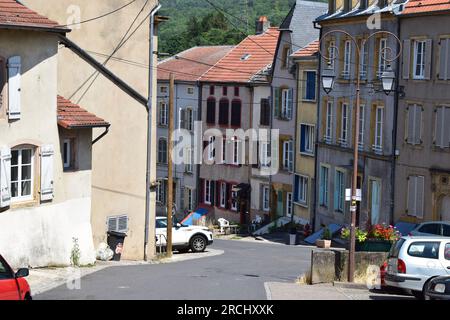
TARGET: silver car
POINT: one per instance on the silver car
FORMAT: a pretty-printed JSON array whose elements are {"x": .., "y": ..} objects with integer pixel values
[
  {"x": 414, "y": 261},
  {"x": 432, "y": 228}
]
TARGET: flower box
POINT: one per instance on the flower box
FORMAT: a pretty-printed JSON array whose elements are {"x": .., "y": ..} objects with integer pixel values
[
  {"x": 374, "y": 245},
  {"x": 325, "y": 244}
]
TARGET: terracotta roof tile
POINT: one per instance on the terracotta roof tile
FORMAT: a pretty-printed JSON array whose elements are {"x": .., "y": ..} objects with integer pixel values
[
  {"x": 307, "y": 51},
  {"x": 184, "y": 67},
  {"x": 71, "y": 116},
  {"x": 15, "y": 14},
  {"x": 425, "y": 6},
  {"x": 246, "y": 60}
]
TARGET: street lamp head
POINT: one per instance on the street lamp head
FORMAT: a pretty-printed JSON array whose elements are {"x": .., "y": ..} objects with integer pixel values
[
  {"x": 387, "y": 79},
  {"x": 328, "y": 77}
]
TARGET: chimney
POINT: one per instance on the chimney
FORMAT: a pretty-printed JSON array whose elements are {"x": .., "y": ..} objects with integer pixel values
[
  {"x": 331, "y": 6},
  {"x": 262, "y": 24}
]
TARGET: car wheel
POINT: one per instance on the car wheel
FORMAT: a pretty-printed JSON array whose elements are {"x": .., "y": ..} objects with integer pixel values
[
  {"x": 418, "y": 295},
  {"x": 198, "y": 243}
]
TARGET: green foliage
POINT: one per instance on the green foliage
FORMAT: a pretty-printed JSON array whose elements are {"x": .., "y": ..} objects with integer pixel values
[
  {"x": 75, "y": 253},
  {"x": 326, "y": 235},
  {"x": 195, "y": 22}
]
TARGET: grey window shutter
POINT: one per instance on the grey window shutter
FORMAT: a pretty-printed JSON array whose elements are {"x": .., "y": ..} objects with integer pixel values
[
  {"x": 276, "y": 102},
  {"x": 182, "y": 119},
  {"x": 5, "y": 177},
  {"x": 446, "y": 126},
  {"x": 406, "y": 59},
  {"x": 47, "y": 168},
  {"x": 411, "y": 123},
  {"x": 14, "y": 87},
  {"x": 439, "y": 136},
  {"x": 447, "y": 59},
  {"x": 290, "y": 104},
  {"x": 411, "y": 197},
  {"x": 418, "y": 124},
  {"x": 428, "y": 58},
  {"x": 443, "y": 59},
  {"x": 420, "y": 187}
]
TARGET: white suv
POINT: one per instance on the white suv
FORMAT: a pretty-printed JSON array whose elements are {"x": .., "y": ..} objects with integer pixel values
[
  {"x": 413, "y": 261},
  {"x": 184, "y": 238}
]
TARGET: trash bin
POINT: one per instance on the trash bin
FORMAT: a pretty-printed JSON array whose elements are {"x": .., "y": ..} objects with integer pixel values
[
  {"x": 292, "y": 237},
  {"x": 115, "y": 242}
]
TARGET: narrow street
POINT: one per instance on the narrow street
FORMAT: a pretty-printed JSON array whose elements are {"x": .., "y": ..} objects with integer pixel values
[{"x": 238, "y": 274}]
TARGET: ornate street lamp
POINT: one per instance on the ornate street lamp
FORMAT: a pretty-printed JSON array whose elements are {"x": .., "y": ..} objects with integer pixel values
[
  {"x": 328, "y": 77},
  {"x": 387, "y": 79}
]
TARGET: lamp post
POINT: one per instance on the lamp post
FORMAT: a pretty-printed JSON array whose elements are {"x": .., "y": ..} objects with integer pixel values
[{"x": 328, "y": 77}]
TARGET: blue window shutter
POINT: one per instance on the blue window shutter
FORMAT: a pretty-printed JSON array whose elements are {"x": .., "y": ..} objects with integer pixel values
[
  {"x": 276, "y": 102},
  {"x": 302, "y": 137},
  {"x": 311, "y": 85},
  {"x": 296, "y": 188}
]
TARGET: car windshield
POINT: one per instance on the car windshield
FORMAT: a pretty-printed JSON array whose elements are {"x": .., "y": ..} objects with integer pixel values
[
  {"x": 431, "y": 228},
  {"x": 395, "y": 249},
  {"x": 162, "y": 223},
  {"x": 4, "y": 271}
]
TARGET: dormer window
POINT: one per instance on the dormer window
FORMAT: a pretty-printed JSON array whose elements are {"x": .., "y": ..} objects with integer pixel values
[{"x": 245, "y": 57}]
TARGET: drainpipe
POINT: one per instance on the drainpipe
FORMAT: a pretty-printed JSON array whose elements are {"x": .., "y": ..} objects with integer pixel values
[
  {"x": 149, "y": 135},
  {"x": 102, "y": 135},
  {"x": 395, "y": 129}
]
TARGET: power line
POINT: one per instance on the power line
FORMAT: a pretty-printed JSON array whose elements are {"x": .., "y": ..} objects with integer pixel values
[{"x": 101, "y": 16}]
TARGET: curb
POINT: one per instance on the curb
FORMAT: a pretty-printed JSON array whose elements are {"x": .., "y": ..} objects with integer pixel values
[
  {"x": 268, "y": 292},
  {"x": 348, "y": 285}
]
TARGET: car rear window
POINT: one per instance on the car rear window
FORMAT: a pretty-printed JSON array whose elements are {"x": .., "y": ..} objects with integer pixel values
[
  {"x": 446, "y": 230},
  {"x": 428, "y": 250},
  {"x": 395, "y": 249},
  {"x": 432, "y": 228}
]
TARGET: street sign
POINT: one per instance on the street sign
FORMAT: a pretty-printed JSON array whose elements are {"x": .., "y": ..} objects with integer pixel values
[{"x": 348, "y": 195}]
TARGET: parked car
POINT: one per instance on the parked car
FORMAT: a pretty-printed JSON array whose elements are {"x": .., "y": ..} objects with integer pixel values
[
  {"x": 13, "y": 285},
  {"x": 438, "y": 289},
  {"x": 414, "y": 261},
  {"x": 433, "y": 228},
  {"x": 195, "y": 238}
]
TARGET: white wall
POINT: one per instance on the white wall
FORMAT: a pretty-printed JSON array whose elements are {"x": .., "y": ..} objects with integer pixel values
[{"x": 42, "y": 236}]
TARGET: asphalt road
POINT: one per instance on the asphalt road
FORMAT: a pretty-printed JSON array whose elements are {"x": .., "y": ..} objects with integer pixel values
[{"x": 238, "y": 274}]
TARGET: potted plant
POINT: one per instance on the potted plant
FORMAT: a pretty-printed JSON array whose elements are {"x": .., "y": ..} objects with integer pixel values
[
  {"x": 325, "y": 241},
  {"x": 378, "y": 238}
]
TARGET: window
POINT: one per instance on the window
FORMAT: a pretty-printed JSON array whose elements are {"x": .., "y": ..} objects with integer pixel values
[
  {"x": 236, "y": 91},
  {"x": 162, "y": 151},
  {"x": 225, "y": 91},
  {"x": 163, "y": 114},
  {"x": 22, "y": 170},
  {"x": 323, "y": 191},
  {"x": 288, "y": 156},
  {"x": 442, "y": 129},
  {"x": 236, "y": 151},
  {"x": 331, "y": 54},
  {"x": 431, "y": 228},
  {"x": 68, "y": 154},
  {"x": 364, "y": 61},
  {"x": 223, "y": 194},
  {"x": 188, "y": 163},
  {"x": 362, "y": 118},
  {"x": 224, "y": 151},
  {"x": 307, "y": 138},
  {"x": 190, "y": 199},
  {"x": 236, "y": 107},
  {"x": 285, "y": 58},
  {"x": 189, "y": 119},
  {"x": 344, "y": 124},
  {"x": 161, "y": 192},
  {"x": 347, "y": 59},
  {"x": 428, "y": 250},
  {"x": 339, "y": 191},
  {"x": 118, "y": 224},
  {"x": 301, "y": 189},
  {"x": 289, "y": 204},
  {"x": 211, "y": 148},
  {"x": 234, "y": 200},
  {"x": 419, "y": 60},
  {"x": 329, "y": 122},
  {"x": 415, "y": 196},
  {"x": 224, "y": 106},
  {"x": 378, "y": 145},
  {"x": 163, "y": 89},
  {"x": 414, "y": 127},
  {"x": 266, "y": 198},
  {"x": 190, "y": 90},
  {"x": 265, "y": 154},
  {"x": 211, "y": 111},
  {"x": 382, "y": 62},
  {"x": 286, "y": 103},
  {"x": 265, "y": 113},
  {"x": 208, "y": 192},
  {"x": 309, "y": 89},
  {"x": 211, "y": 90}
]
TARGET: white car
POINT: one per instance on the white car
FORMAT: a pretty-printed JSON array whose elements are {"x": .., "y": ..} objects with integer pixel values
[
  {"x": 414, "y": 261},
  {"x": 196, "y": 238}
]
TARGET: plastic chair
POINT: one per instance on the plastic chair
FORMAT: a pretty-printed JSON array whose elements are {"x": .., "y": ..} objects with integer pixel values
[{"x": 223, "y": 224}]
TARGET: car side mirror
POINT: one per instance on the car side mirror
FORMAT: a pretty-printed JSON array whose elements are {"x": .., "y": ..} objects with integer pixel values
[
  {"x": 22, "y": 273},
  {"x": 178, "y": 225}
]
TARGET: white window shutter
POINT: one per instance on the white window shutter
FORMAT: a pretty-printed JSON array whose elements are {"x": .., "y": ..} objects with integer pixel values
[
  {"x": 428, "y": 58},
  {"x": 443, "y": 59},
  {"x": 47, "y": 155},
  {"x": 14, "y": 74},
  {"x": 420, "y": 184},
  {"x": 290, "y": 104},
  {"x": 439, "y": 131},
  {"x": 5, "y": 177},
  {"x": 406, "y": 59}
]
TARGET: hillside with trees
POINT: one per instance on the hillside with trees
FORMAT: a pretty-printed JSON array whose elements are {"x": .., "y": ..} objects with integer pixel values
[{"x": 195, "y": 22}]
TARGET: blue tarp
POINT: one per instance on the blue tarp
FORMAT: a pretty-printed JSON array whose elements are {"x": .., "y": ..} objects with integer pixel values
[
  {"x": 318, "y": 235},
  {"x": 405, "y": 228},
  {"x": 194, "y": 216}
]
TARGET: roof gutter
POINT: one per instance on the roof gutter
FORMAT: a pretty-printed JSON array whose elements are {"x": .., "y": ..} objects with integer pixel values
[
  {"x": 59, "y": 30},
  {"x": 104, "y": 71}
]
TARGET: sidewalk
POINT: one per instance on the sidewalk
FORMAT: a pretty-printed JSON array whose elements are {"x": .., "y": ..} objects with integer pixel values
[
  {"x": 294, "y": 291},
  {"x": 45, "y": 279}
]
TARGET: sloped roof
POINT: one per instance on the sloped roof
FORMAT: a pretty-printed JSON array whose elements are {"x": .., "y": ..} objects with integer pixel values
[
  {"x": 308, "y": 51},
  {"x": 245, "y": 61},
  {"x": 426, "y": 6},
  {"x": 15, "y": 14},
  {"x": 72, "y": 116},
  {"x": 184, "y": 67}
]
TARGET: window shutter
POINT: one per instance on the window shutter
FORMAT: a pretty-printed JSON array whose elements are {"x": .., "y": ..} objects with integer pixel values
[
  {"x": 183, "y": 119},
  {"x": 447, "y": 59},
  {"x": 406, "y": 59},
  {"x": 276, "y": 102},
  {"x": 336, "y": 191},
  {"x": 213, "y": 192},
  {"x": 296, "y": 188},
  {"x": 236, "y": 113},
  {"x": 47, "y": 154},
  {"x": 5, "y": 177},
  {"x": 439, "y": 141},
  {"x": 291, "y": 155},
  {"x": 418, "y": 124},
  {"x": 411, "y": 122},
  {"x": 446, "y": 127},
  {"x": 290, "y": 104},
  {"x": 14, "y": 74},
  {"x": 411, "y": 201},
  {"x": 302, "y": 137},
  {"x": 428, "y": 58},
  {"x": 443, "y": 59},
  {"x": 228, "y": 194},
  {"x": 211, "y": 111},
  {"x": 420, "y": 185},
  {"x": 201, "y": 192}
]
